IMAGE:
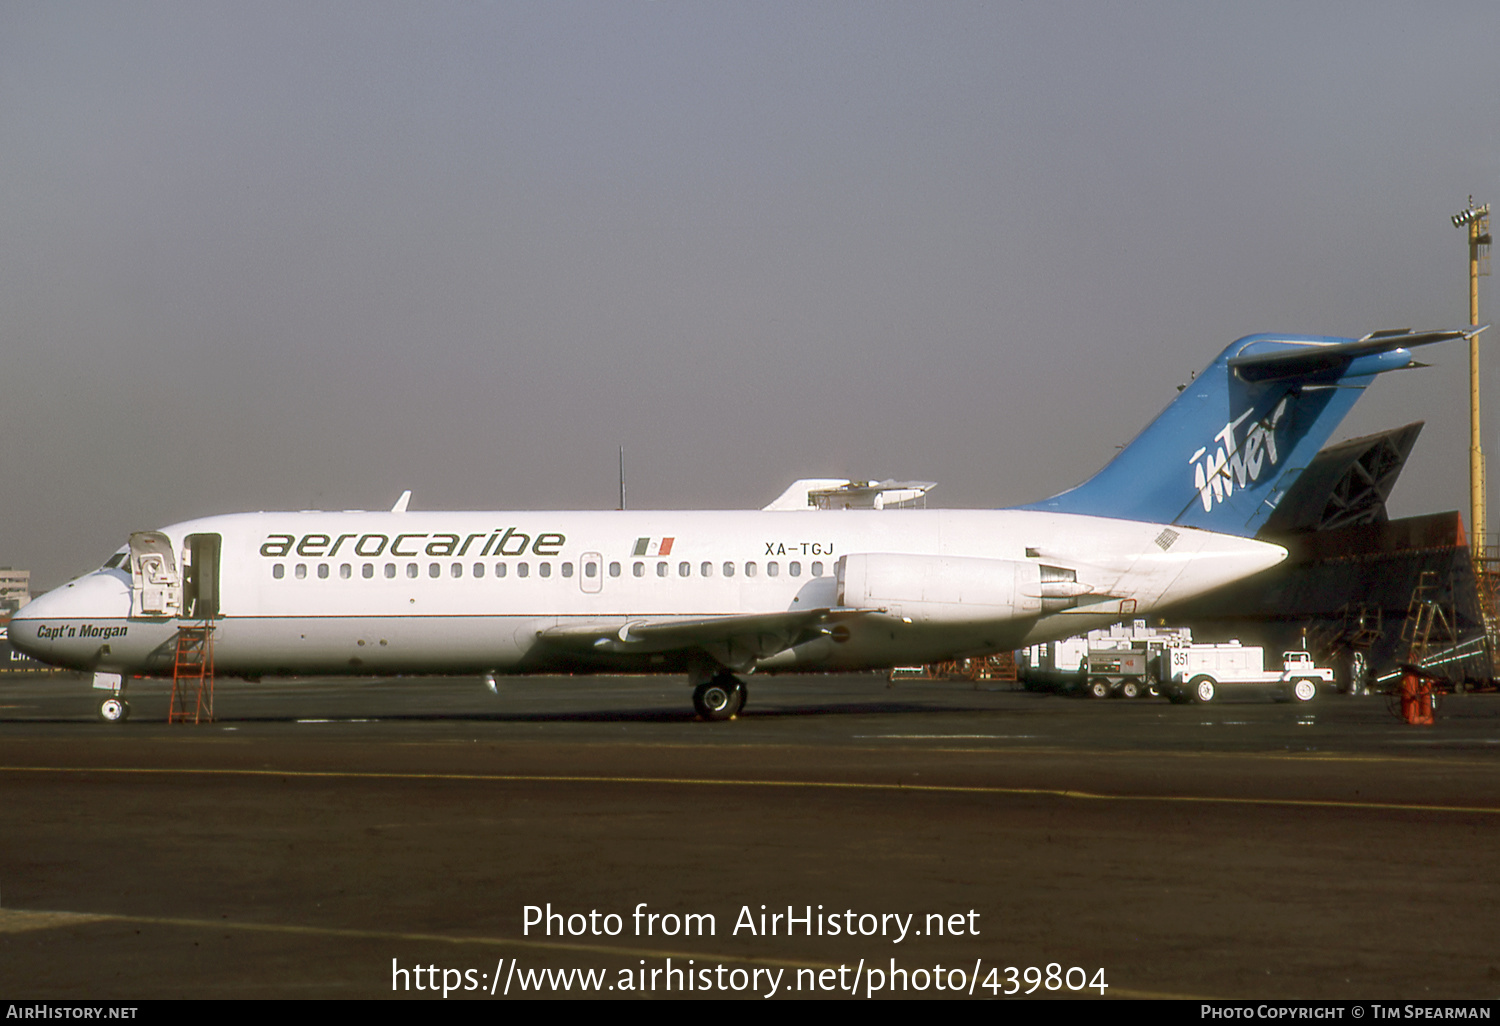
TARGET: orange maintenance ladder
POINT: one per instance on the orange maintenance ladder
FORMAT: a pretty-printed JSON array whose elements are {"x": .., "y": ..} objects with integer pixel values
[
  {"x": 193, "y": 674},
  {"x": 1423, "y": 615}
]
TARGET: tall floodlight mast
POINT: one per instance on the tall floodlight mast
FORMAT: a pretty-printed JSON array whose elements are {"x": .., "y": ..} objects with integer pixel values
[{"x": 1477, "y": 221}]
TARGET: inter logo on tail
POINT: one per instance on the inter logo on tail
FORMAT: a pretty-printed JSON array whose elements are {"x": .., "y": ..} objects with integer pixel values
[{"x": 1217, "y": 472}]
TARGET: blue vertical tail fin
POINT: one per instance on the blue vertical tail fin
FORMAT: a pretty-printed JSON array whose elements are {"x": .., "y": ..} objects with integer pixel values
[{"x": 1226, "y": 450}]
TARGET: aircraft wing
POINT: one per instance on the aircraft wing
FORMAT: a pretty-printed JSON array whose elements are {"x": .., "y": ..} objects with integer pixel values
[{"x": 737, "y": 641}]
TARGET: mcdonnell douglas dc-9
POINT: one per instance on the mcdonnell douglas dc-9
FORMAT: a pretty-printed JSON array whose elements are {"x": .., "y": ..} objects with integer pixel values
[{"x": 718, "y": 595}]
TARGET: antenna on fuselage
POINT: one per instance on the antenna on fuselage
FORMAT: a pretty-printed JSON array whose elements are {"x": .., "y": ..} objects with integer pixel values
[
  {"x": 622, "y": 477},
  {"x": 400, "y": 506}
]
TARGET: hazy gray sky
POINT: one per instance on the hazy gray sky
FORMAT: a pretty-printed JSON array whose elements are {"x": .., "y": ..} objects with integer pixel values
[{"x": 289, "y": 255}]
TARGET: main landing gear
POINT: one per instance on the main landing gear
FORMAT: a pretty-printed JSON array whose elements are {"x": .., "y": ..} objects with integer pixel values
[{"x": 719, "y": 698}]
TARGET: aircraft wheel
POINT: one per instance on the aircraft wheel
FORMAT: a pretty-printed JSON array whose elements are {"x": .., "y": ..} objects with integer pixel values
[
  {"x": 1304, "y": 689},
  {"x": 114, "y": 710},
  {"x": 741, "y": 696},
  {"x": 717, "y": 699},
  {"x": 1130, "y": 689},
  {"x": 1098, "y": 688},
  {"x": 1202, "y": 688}
]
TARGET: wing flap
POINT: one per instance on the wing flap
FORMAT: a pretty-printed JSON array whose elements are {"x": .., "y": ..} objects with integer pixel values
[{"x": 736, "y": 640}]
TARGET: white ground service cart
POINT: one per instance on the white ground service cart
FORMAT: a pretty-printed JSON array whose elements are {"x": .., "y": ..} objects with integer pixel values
[
  {"x": 1120, "y": 672},
  {"x": 1199, "y": 673}
]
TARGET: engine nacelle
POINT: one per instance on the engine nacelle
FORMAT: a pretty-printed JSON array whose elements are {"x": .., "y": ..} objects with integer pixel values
[{"x": 941, "y": 589}]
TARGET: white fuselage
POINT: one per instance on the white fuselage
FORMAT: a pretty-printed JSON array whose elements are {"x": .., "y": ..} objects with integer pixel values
[{"x": 470, "y": 592}]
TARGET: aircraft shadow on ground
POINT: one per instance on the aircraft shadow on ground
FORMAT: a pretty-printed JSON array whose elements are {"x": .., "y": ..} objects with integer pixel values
[{"x": 810, "y": 710}]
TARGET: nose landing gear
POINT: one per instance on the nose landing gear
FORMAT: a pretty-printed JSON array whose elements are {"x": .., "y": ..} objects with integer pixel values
[
  {"x": 112, "y": 707},
  {"x": 114, "y": 710}
]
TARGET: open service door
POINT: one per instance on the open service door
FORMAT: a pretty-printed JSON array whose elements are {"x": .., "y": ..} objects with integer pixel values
[
  {"x": 155, "y": 583},
  {"x": 200, "y": 577}
]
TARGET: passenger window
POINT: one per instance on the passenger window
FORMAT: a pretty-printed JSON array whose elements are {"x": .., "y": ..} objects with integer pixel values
[
  {"x": 323, "y": 571},
  {"x": 639, "y": 569},
  {"x": 728, "y": 569},
  {"x": 345, "y": 571},
  {"x": 684, "y": 569},
  {"x": 301, "y": 571},
  {"x": 523, "y": 569},
  {"x": 817, "y": 569},
  {"x": 434, "y": 570},
  {"x": 794, "y": 568},
  {"x": 614, "y": 569},
  {"x": 478, "y": 569},
  {"x": 499, "y": 569},
  {"x": 545, "y": 569},
  {"x": 567, "y": 570},
  {"x": 278, "y": 571},
  {"x": 749, "y": 569},
  {"x": 390, "y": 570},
  {"x": 411, "y": 570},
  {"x": 772, "y": 569},
  {"x": 707, "y": 569},
  {"x": 367, "y": 571},
  {"x": 591, "y": 570},
  {"x": 457, "y": 569},
  {"x": 661, "y": 569}
]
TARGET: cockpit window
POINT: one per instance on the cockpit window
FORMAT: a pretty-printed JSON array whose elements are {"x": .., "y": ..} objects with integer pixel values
[{"x": 118, "y": 558}]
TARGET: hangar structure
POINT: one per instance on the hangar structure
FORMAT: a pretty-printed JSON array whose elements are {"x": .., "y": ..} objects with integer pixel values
[{"x": 1361, "y": 591}]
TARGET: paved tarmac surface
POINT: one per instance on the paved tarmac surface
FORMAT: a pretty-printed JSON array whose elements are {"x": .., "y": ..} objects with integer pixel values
[{"x": 322, "y": 829}]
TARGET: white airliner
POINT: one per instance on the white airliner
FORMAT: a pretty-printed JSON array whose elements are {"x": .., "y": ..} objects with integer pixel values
[{"x": 716, "y": 595}]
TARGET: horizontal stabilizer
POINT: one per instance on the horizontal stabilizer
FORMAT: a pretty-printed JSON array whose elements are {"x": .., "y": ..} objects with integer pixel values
[{"x": 1272, "y": 360}]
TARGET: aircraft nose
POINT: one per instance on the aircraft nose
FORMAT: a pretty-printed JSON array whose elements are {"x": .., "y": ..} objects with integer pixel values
[
  {"x": 19, "y": 633},
  {"x": 60, "y": 626},
  {"x": 23, "y": 634}
]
